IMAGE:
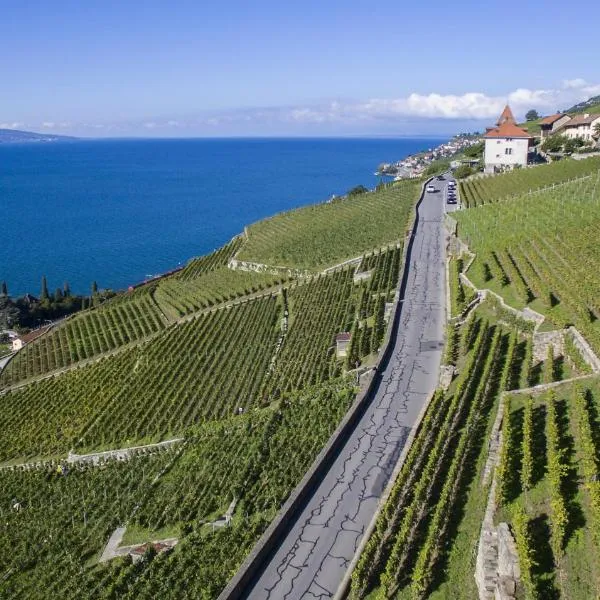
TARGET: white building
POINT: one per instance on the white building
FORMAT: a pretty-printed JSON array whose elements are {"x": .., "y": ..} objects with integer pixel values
[
  {"x": 506, "y": 145},
  {"x": 581, "y": 126}
]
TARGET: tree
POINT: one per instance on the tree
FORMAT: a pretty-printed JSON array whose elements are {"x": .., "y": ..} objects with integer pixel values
[
  {"x": 66, "y": 289},
  {"x": 554, "y": 143},
  {"x": 44, "y": 292},
  {"x": 94, "y": 287},
  {"x": 572, "y": 144},
  {"x": 532, "y": 115},
  {"x": 463, "y": 171},
  {"x": 58, "y": 296},
  {"x": 437, "y": 166},
  {"x": 359, "y": 189},
  {"x": 475, "y": 151},
  {"x": 365, "y": 340},
  {"x": 4, "y": 291},
  {"x": 597, "y": 130},
  {"x": 353, "y": 349},
  {"x": 379, "y": 325},
  {"x": 9, "y": 313}
]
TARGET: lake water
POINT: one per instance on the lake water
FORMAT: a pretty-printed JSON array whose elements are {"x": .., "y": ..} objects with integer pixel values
[{"x": 118, "y": 211}]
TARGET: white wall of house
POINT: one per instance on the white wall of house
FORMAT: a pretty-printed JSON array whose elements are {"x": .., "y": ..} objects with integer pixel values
[
  {"x": 505, "y": 152},
  {"x": 560, "y": 122},
  {"x": 583, "y": 131}
]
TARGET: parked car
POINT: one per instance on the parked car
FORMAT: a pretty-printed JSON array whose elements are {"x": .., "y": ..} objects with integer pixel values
[{"x": 430, "y": 189}]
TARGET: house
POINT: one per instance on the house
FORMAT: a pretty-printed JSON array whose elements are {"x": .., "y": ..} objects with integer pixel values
[
  {"x": 550, "y": 124},
  {"x": 506, "y": 145},
  {"x": 22, "y": 340},
  {"x": 581, "y": 126},
  {"x": 342, "y": 342}
]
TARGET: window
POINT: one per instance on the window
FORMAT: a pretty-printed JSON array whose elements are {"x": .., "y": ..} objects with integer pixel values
[{"x": 508, "y": 151}]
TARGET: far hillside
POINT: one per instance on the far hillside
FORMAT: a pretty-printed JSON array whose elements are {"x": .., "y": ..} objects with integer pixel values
[
  {"x": 592, "y": 106},
  {"x": 15, "y": 136}
]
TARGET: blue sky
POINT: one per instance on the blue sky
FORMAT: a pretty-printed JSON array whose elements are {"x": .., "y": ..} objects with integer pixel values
[{"x": 186, "y": 68}]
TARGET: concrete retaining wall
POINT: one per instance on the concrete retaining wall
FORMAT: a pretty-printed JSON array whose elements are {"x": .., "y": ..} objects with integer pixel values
[{"x": 280, "y": 525}]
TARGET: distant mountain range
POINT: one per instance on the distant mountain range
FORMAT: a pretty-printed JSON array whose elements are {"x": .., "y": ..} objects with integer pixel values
[{"x": 14, "y": 136}]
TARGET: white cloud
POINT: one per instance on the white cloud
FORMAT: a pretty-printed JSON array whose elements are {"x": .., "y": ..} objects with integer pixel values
[
  {"x": 374, "y": 114},
  {"x": 569, "y": 84},
  {"x": 471, "y": 105}
]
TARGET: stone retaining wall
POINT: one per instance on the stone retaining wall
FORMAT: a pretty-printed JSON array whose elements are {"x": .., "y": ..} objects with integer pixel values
[
  {"x": 497, "y": 572},
  {"x": 585, "y": 349},
  {"x": 242, "y": 265},
  {"x": 543, "y": 341}
]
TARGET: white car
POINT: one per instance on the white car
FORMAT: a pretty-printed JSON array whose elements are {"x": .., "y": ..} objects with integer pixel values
[{"x": 430, "y": 188}]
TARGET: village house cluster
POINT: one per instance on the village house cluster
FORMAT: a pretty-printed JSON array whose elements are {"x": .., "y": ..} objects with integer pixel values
[
  {"x": 413, "y": 165},
  {"x": 508, "y": 146}
]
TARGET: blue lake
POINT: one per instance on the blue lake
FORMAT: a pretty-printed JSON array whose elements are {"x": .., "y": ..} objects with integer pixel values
[{"x": 117, "y": 211}]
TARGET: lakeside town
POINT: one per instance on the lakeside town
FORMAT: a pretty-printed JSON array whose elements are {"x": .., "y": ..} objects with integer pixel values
[{"x": 414, "y": 165}]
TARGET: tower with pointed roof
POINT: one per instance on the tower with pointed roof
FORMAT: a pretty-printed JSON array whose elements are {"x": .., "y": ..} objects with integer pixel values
[{"x": 506, "y": 144}]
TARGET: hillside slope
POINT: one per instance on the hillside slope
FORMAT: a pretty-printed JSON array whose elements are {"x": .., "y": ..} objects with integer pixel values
[{"x": 15, "y": 136}]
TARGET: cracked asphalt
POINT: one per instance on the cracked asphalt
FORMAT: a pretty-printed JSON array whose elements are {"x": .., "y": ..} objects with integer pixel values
[{"x": 313, "y": 558}]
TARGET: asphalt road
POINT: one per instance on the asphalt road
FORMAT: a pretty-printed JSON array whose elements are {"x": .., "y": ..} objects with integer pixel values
[{"x": 314, "y": 556}]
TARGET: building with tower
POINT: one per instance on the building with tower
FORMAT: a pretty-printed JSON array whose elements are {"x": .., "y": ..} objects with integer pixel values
[{"x": 506, "y": 144}]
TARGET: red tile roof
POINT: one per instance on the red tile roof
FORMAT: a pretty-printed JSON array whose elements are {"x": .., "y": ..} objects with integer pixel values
[
  {"x": 580, "y": 120},
  {"x": 552, "y": 119},
  {"x": 32, "y": 335},
  {"x": 507, "y": 130},
  {"x": 343, "y": 337}
]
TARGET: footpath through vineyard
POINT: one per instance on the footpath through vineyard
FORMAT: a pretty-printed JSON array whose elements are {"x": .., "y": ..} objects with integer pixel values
[{"x": 314, "y": 556}]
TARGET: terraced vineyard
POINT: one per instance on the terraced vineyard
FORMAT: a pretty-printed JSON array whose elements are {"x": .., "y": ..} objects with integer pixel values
[
  {"x": 125, "y": 319},
  {"x": 323, "y": 235},
  {"x": 424, "y": 521},
  {"x": 324, "y": 307},
  {"x": 62, "y": 520},
  {"x": 540, "y": 250},
  {"x": 179, "y": 297},
  {"x": 483, "y": 190},
  {"x": 211, "y": 262},
  {"x": 204, "y": 369},
  {"x": 256, "y": 390},
  {"x": 549, "y": 490}
]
